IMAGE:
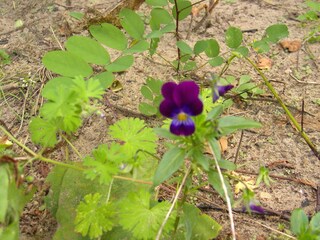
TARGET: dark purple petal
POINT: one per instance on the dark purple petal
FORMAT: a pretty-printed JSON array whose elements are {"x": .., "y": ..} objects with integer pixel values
[
  {"x": 256, "y": 208},
  {"x": 193, "y": 108},
  {"x": 167, "y": 90},
  {"x": 185, "y": 93},
  {"x": 220, "y": 91},
  {"x": 182, "y": 128},
  {"x": 168, "y": 108}
]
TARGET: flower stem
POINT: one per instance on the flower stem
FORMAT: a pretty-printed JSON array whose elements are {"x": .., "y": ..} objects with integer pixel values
[
  {"x": 284, "y": 107},
  {"x": 224, "y": 187},
  {"x": 173, "y": 203},
  {"x": 177, "y": 34}
]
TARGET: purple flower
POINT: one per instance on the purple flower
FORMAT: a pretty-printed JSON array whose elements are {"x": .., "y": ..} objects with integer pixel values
[
  {"x": 180, "y": 102},
  {"x": 255, "y": 207},
  {"x": 219, "y": 91}
]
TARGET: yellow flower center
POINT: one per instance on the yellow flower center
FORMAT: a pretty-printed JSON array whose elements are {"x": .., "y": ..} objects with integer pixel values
[{"x": 182, "y": 117}]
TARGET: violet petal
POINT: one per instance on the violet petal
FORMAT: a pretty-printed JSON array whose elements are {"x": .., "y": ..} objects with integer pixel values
[
  {"x": 182, "y": 128},
  {"x": 168, "y": 108},
  {"x": 167, "y": 90},
  {"x": 220, "y": 91},
  {"x": 185, "y": 93},
  {"x": 256, "y": 208},
  {"x": 193, "y": 108}
]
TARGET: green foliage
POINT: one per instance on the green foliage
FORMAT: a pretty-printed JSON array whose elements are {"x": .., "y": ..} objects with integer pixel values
[
  {"x": 4, "y": 57},
  {"x": 215, "y": 182},
  {"x": 301, "y": 227},
  {"x": 171, "y": 161},
  {"x": 197, "y": 225},
  {"x": 183, "y": 9},
  {"x": 121, "y": 64},
  {"x": 105, "y": 163},
  {"x": 77, "y": 15},
  {"x": 142, "y": 216},
  {"x": 230, "y": 124},
  {"x": 247, "y": 88},
  {"x": 312, "y": 14},
  {"x": 132, "y": 23},
  {"x": 135, "y": 136},
  {"x": 94, "y": 217},
  {"x": 151, "y": 91},
  {"x": 233, "y": 37},
  {"x": 264, "y": 176}
]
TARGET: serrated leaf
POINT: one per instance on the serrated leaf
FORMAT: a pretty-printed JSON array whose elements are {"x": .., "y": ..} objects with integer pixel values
[
  {"x": 171, "y": 161},
  {"x": 215, "y": 182},
  {"x": 142, "y": 219},
  {"x": 120, "y": 64},
  {"x": 132, "y": 23},
  {"x": 230, "y": 124},
  {"x": 135, "y": 135},
  {"x": 200, "y": 47},
  {"x": 105, "y": 79},
  {"x": 233, "y": 37},
  {"x": 88, "y": 49},
  {"x": 43, "y": 132},
  {"x": 94, "y": 217},
  {"x": 66, "y": 64},
  {"x": 157, "y": 3},
  {"x": 216, "y": 61},
  {"x": 105, "y": 163},
  {"x": 298, "y": 221},
  {"x": 184, "y": 47},
  {"x": 198, "y": 226},
  {"x": 109, "y": 35},
  {"x": 213, "y": 48},
  {"x": 184, "y": 9},
  {"x": 277, "y": 32},
  {"x": 88, "y": 89}
]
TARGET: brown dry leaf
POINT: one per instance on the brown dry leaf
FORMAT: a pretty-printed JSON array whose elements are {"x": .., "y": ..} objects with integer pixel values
[
  {"x": 223, "y": 142},
  {"x": 264, "y": 63},
  {"x": 197, "y": 9},
  {"x": 291, "y": 45}
]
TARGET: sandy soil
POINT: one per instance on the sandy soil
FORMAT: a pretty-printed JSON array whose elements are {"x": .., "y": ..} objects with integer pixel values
[{"x": 277, "y": 144}]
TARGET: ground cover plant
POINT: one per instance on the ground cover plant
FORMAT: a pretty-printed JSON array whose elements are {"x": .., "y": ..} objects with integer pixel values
[{"x": 113, "y": 192}]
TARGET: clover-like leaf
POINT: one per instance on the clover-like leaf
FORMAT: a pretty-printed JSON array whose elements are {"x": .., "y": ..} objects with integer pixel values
[
  {"x": 105, "y": 163},
  {"x": 93, "y": 217},
  {"x": 135, "y": 135},
  {"x": 142, "y": 218}
]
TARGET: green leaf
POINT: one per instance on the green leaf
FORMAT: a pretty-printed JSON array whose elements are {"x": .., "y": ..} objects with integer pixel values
[
  {"x": 190, "y": 65},
  {"x": 261, "y": 46},
  {"x": 230, "y": 124},
  {"x": 215, "y": 112},
  {"x": 66, "y": 64},
  {"x": 4, "y": 182},
  {"x": 135, "y": 135},
  {"x": 165, "y": 133},
  {"x": 105, "y": 78},
  {"x": 120, "y": 64},
  {"x": 241, "y": 51},
  {"x": 88, "y": 89},
  {"x": 105, "y": 163},
  {"x": 140, "y": 46},
  {"x": 216, "y": 61},
  {"x": 147, "y": 109},
  {"x": 171, "y": 161},
  {"x": 233, "y": 37},
  {"x": 197, "y": 225},
  {"x": 142, "y": 218},
  {"x": 132, "y": 23},
  {"x": 154, "y": 85},
  {"x": 313, "y": 5},
  {"x": 154, "y": 45},
  {"x": 93, "y": 217},
  {"x": 277, "y": 32},
  {"x": 109, "y": 35},
  {"x": 213, "y": 48},
  {"x": 88, "y": 49},
  {"x": 225, "y": 164},
  {"x": 200, "y": 47},
  {"x": 315, "y": 223},
  {"x": 43, "y": 132},
  {"x": 298, "y": 222},
  {"x": 76, "y": 15},
  {"x": 157, "y": 3},
  {"x": 184, "y": 47},
  {"x": 200, "y": 158},
  {"x": 214, "y": 180},
  {"x": 160, "y": 16},
  {"x": 146, "y": 92},
  {"x": 184, "y": 10}
]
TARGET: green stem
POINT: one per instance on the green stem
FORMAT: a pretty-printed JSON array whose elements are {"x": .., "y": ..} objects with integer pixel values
[
  {"x": 73, "y": 147},
  {"x": 284, "y": 107}
]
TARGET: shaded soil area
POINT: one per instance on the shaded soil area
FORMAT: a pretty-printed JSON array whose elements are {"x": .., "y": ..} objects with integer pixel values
[{"x": 46, "y": 26}]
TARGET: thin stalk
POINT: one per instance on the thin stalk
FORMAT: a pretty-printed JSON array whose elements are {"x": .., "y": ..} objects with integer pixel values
[
  {"x": 109, "y": 191},
  {"x": 73, "y": 147},
  {"x": 224, "y": 187},
  {"x": 284, "y": 107},
  {"x": 177, "y": 33},
  {"x": 173, "y": 203}
]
